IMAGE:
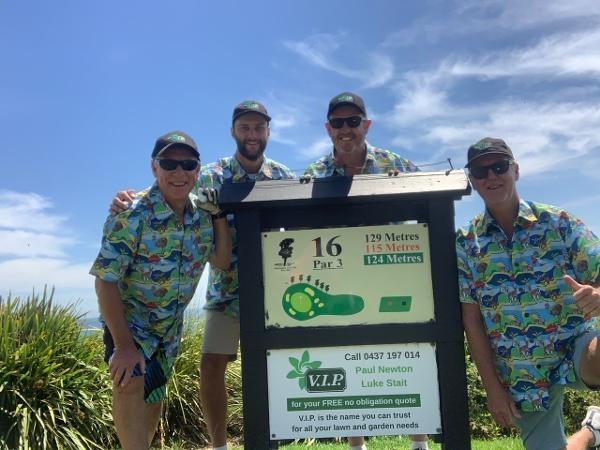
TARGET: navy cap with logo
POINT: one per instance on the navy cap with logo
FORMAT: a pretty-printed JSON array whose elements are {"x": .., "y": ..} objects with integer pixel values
[
  {"x": 488, "y": 146},
  {"x": 250, "y": 106},
  {"x": 346, "y": 99},
  {"x": 172, "y": 139}
]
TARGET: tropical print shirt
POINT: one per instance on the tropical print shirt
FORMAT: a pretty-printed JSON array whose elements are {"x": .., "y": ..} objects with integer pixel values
[
  {"x": 156, "y": 261},
  {"x": 222, "y": 291},
  {"x": 527, "y": 308},
  {"x": 377, "y": 161}
]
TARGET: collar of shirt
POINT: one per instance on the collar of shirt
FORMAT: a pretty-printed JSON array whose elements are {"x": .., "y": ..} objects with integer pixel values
[
  {"x": 162, "y": 210},
  {"x": 525, "y": 217},
  {"x": 333, "y": 167},
  {"x": 238, "y": 173}
]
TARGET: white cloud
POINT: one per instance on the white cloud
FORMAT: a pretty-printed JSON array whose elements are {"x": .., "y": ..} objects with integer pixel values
[
  {"x": 557, "y": 55},
  {"x": 547, "y": 132},
  {"x": 27, "y": 211},
  {"x": 544, "y": 136},
  {"x": 317, "y": 49},
  {"x": 320, "y": 50},
  {"x": 516, "y": 14},
  {"x": 34, "y": 243},
  {"x": 501, "y": 17},
  {"x": 317, "y": 149},
  {"x": 422, "y": 95},
  {"x": 582, "y": 201},
  {"x": 72, "y": 282},
  {"x": 29, "y": 228},
  {"x": 21, "y": 274},
  {"x": 24, "y": 243},
  {"x": 278, "y": 126}
]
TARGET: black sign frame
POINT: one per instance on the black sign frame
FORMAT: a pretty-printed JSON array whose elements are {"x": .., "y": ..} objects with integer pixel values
[{"x": 351, "y": 201}]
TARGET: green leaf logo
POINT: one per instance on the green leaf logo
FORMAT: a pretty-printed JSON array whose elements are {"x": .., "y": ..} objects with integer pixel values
[
  {"x": 482, "y": 145},
  {"x": 300, "y": 367}
]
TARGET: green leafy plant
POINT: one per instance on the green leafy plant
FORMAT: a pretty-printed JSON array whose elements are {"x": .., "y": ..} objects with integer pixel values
[
  {"x": 54, "y": 388},
  {"x": 300, "y": 367},
  {"x": 182, "y": 419}
]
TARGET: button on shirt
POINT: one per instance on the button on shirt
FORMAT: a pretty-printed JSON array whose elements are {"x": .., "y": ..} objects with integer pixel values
[
  {"x": 528, "y": 309},
  {"x": 157, "y": 263},
  {"x": 377, "y": 161},
  {"x": 222, "y": 292}
]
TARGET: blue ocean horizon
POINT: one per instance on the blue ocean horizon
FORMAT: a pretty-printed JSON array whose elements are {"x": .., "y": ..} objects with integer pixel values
[{"x": 90, "y": 324}]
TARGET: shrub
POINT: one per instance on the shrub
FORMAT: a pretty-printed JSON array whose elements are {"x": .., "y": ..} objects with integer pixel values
[
  {"x": 182, "y": 420},
  {"x": 54, "y": 391}
]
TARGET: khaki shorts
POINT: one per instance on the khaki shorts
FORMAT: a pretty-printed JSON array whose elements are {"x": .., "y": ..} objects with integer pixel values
[{"x": 221, "y": 334}]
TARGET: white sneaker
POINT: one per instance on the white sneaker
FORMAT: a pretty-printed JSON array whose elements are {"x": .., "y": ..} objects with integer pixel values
[{"x": 592, "y": 421}]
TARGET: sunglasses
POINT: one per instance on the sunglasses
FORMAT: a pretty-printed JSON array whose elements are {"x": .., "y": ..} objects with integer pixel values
[
  {"x": 499, "y": 167},
  {"x": 171, "y": 164},
  {"x": 338, "y": 122}
]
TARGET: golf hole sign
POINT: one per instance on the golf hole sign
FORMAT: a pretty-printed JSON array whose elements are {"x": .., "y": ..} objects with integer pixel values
[
  {"x": 366, "y": 390},
  {"x": 347, "y": 276}
]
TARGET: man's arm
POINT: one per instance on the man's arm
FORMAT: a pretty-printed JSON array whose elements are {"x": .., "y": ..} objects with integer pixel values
[
  {"x": 126, "y": 355},
  {"x": 499, "y": 403},
  {"x": 584, "y": 255},
  {"x": 221, "y": 257},
  {"x": 501, "y": 407}
]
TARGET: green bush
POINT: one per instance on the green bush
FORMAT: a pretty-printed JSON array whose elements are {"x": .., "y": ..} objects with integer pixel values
[
  {"x": 54, "y": 391},
  {"x": 182, "y": 420}
]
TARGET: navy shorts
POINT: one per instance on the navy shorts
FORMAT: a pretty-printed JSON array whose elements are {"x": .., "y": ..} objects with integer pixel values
[{"x": 155, "y": 380}]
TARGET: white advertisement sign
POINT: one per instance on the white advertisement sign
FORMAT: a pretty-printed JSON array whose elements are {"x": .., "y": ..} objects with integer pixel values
[{"x": 365, "y": 390}]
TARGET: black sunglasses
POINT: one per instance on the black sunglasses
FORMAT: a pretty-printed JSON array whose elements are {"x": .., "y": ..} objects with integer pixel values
[
  {"x": 338, "y": 122},
  {"x": 499, "y": 167},
  {"x": 171, "y": 164}
]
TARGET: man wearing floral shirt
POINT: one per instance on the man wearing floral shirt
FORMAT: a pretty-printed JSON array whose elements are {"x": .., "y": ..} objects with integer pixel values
[
  {"x": 150, "y": 261},
  {"x": 347, "y": 125},
  {"x": 529, "y": 276},
  {"x": 220, "y": 342},
  {"x": 250, "y": 130}
]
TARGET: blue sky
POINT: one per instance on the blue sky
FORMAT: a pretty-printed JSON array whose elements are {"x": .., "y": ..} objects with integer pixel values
[{"x": 85, "y": 88}]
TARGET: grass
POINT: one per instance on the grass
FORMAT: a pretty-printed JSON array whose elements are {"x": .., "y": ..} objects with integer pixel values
[{"x": 386, "y": 443}]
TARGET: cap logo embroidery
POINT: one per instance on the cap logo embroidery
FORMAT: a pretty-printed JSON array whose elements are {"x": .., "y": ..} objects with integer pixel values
[
  {"x": 482, "y": 145},
  {"x": 250, "y": 105},
  {"x": 176, "y": 137},
  {"x": 345, "y": 98}
]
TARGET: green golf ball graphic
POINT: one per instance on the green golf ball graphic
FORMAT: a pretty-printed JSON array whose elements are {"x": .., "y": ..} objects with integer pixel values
[{"x": 303, "y": 301}]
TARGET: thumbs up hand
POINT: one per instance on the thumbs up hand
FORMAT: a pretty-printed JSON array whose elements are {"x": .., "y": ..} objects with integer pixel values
[{"x": 587, "y": 297}]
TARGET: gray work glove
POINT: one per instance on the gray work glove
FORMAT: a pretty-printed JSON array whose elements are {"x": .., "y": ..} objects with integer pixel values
[{"x": 208, "y": 200}]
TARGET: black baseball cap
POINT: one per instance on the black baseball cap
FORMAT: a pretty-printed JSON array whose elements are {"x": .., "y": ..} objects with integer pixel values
[
  {"x": 174, "y": 138},
  {"x": 347, "y": 98},
  {"x": 488, "y": 146},
  {"x": 250, "y": 106}
]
